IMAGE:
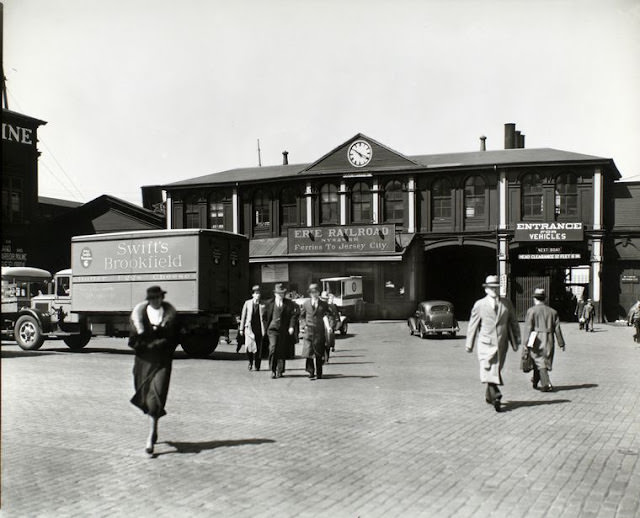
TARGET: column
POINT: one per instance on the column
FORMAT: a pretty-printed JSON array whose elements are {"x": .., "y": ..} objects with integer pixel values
[
  {"x": 597, "y": 199},
  {"x": 596, "y": 270},
  {"x": 503, "y": 238},
  {"x": 375, "y": 201},
  {"x": 502, "y": 199},
  {"x": 308, "y": 195},
  {"x": 236, "y": 211},
  {"x": 343, "y": 203},
  {"x": 411, "y": 194},
  {"x": 168, "y": 208}
]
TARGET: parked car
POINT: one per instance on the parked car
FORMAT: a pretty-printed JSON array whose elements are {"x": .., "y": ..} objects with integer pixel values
[{"x": 433, "y": 317}]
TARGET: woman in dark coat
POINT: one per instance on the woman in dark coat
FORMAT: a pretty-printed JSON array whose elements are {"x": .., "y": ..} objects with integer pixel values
[{"x": 154, "y": 339}]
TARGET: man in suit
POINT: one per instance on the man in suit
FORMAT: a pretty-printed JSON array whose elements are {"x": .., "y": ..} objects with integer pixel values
[
  {"x": 578, "y": 312},
  {"x": 280, "y": 316},
  {"x": 492, "y": 325},
  {"x": 316, "y": 317},
  {"x": 588, "y": 314},
  {"x": 251, "y": 327},
  {"x": 545, "y": 323}
]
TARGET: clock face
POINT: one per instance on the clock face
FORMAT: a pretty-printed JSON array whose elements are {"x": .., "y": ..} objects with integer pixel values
[{"x": 359, "y": 153}]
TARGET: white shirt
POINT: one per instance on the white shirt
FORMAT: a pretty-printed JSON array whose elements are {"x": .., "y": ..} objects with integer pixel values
[{"x": 155, "y": 315}]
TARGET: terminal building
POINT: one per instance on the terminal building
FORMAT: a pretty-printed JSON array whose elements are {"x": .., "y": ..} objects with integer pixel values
[{"x": 431, "y": 226}]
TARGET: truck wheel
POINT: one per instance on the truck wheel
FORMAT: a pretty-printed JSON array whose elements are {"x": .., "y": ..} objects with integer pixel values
[
  {"x": 199, "y": 346},
  {"x": 28, "y": 333},
  {"x": 77, "y": 342}
]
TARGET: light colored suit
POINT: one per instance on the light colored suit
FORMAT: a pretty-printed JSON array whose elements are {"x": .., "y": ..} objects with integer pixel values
[
  {"x": 492, "y": 325},
  {"x": 545, "y": 322},
  {"x": 250, "y": 340}
]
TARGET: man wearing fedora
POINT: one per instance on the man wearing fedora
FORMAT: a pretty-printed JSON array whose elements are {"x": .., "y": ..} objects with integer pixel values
[
  {"x": 251, "y": 327},
  {"x": 492, "y": 326},
  {"x": 541, "y": 329},
  {"x": 280, "y": 316},
  {"x": 316, "y": 316},
  {"x": 588, "y": 315}
]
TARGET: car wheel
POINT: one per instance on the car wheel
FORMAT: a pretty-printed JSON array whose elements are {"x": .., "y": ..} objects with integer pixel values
[
  {"x": 77, "y": 342},
  {"x": 423, "y": 333},
  {"x": 28, "y": 333}
]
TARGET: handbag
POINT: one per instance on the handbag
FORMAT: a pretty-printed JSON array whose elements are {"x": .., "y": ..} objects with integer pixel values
[{"x": 526, "y": 361}]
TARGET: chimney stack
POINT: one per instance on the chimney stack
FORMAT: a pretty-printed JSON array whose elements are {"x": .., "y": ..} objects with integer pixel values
[
  {"x": 285, "y": 158},
  {"x": 483, "y": 143},
  {"x": 521, "y": 141},
  {"x": 510, "y": 135}
]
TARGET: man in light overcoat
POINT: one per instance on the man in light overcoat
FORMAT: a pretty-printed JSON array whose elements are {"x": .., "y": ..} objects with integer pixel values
[
  {"x": 545, "y": 323},
  {"x": 492, "y": 326},
  {"x": 316, "y": 316},
  {"x": 252, "y": 328}
]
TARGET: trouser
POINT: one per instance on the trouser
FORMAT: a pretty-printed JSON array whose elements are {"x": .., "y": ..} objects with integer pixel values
[
  {"x": 636, "y": 324},
  {"x": 317, "y": 369},
  {"x": 541, "y": 376},
  {"x": 326, "y": 354},
  {"x": 492, "y": 393},
  {"x": 255, "y": 359},
  {"x": 588, "y": 324}
]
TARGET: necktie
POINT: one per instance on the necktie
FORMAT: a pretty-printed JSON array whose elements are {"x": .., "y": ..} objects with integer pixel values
[{"x": 495, "y": 306}]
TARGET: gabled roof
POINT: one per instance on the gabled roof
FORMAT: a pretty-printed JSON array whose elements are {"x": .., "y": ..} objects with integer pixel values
[
  {"x": 103, "y": 203},
  {"x": 58, "y": 202}
]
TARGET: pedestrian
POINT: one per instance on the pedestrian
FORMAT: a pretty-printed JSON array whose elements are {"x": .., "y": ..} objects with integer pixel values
[
  {"x": 316, "y": 317},
  {"x": 578, "y": 312},
  {"x": 251, "y": 327},
  {"x": 492, "y": 325},
  {"x": 541, "y": 329},
  {"x": 588, "y": 314},
  {"x": 330, "y": 324},
  {"x": 154, "y": 339},
  {"x": 634, "y": 320},
  {"x": 280, "y": 316}
]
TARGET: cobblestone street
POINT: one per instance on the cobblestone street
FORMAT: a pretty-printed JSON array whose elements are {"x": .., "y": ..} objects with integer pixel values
[{"x": 399, "y": 427}]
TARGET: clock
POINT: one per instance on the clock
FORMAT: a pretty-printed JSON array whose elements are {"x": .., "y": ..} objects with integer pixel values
[{"x": 359, "y": 153}]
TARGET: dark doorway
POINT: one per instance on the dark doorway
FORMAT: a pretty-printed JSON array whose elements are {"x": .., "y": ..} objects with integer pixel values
[{"x": 456, "y": 274}]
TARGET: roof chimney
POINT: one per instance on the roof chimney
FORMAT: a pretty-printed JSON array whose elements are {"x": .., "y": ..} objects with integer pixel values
[
  {"x": 521, "y": 141},
  {"x": 285, "y": 158},
  {"x": 483, "y": 143},
  {"x": 510, "y": 135}
]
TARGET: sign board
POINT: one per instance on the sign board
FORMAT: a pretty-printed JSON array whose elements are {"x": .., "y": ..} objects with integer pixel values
[
  {"x": 12, "y": 133},
  {"x": 342, "y": 240},
  {"x": 630, "y": 279},
  {"x": 13, "y": 255},
  {"x": 554, "y": 231},
  {"x": 556, "y": 252},
  {"x": 277, "y": 272}
]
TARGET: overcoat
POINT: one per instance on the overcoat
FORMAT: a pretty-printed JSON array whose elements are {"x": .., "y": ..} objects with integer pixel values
[
  {"x": 154, "y": 348},
  {"x": 492, "y": 330},
  {"x": 285, "y": 343},
  {"x": 545, "y": 322},
  {"x": 250, "y": 340},
  {"x": 314, "y": 342},
  {"x": 588, "y": 312}
]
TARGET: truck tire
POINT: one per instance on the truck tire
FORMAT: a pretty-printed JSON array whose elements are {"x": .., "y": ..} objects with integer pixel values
[
  {"x": 199, "y": 346},
  {"x": 28, "y": 334},
  {"x": 77, "y": 342}
]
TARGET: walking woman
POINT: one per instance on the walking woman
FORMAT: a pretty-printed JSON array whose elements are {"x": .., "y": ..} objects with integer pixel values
[{"x": 154, "y": 339}]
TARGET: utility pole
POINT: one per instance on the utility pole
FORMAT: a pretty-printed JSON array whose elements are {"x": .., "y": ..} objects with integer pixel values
[{"x": 259, "y": 157}]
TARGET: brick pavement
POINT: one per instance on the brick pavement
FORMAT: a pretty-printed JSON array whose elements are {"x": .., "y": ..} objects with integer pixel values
[{"x": 398, "y": 428}]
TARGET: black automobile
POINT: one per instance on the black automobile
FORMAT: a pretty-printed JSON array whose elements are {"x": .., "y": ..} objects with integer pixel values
[{"x": 433, "y": 317}]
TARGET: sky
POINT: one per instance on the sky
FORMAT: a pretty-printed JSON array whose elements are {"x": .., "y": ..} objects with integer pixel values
[{"x": 146, "y": 92}]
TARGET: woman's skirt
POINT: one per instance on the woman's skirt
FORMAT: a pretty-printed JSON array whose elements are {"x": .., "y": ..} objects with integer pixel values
[{"x": 151, "y": 378}]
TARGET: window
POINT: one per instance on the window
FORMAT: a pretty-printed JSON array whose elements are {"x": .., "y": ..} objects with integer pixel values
[
  {"x": 329, "y": 204},
  {"x": 261, "y": 211},
  {"x": 361, "y": 203},
  {"x": 441, "y": 200},
  {"x": 12, "y": 199},
  {"x": 474, "y": 197},
  {"x": 219, "y": 204},
  {"x": 191, "y": 212},
  {"x": 566, "y": 195},
  {"x": 532, "y": 196},
  {"x": 288, "y": 208},
  {"x": 394, "y": 287},
  {"x": 63, "y": 286},
  {"x": 393, "y": 202}
]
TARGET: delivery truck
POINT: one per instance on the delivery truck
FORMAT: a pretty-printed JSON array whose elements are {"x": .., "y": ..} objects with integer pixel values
[{"x": 204, "y": 272}]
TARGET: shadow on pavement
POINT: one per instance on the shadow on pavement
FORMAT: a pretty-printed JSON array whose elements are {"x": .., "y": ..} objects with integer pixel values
[
  {"x": 24, "y": 354},
  {"x": 560, "y": 388},
  {"x": 513, "y": 405},
  {"x": 197, "y": 447},
  {"x": 338, "y": 376},
  {"x": 331, "y": 362}
]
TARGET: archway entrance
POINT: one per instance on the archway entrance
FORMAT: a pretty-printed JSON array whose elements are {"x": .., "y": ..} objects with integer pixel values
[{"x": 456, "y": 273}]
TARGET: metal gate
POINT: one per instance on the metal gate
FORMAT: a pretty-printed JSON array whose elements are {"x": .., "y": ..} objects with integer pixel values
[{"x": 522, "y": 291}]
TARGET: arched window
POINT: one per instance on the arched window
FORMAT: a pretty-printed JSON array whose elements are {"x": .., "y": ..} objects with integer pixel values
[
  {"x": 329, "y": 204},
  {"x": 288, "y": 208},
  {"x": 191, "y": 212},
  {"x": 220, "y": 210},
  {"x": 532, "y": 196},
  {"x": 474, "y": 197},
  {"x": 441, "y": 200},
  {"x": 566, "y": 195},
  {"x": 361, "y": 203},
  {"x": 261, "y": 211},
  {"x": 393, "y": 202}
]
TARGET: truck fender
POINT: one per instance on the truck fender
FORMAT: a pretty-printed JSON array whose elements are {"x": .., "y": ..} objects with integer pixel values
[{"x": 44, "y": 320}]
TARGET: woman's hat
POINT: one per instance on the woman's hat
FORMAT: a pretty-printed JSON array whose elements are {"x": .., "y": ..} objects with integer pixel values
[
  {"x": 155, "y": 291},
  {"x": 491, "y": 281},
  {"x": 255, "y": 288},
  {"x": 324, "y": 295},
  {"x": 539, "y": 294},
  {"x": 279, "y": 288},
  {"x": 314, "y": 287}
]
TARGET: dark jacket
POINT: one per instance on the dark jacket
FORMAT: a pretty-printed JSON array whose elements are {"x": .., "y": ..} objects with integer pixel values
[
  {"x": 315, "y": 333},
  {"x": 277, "y": 329}
]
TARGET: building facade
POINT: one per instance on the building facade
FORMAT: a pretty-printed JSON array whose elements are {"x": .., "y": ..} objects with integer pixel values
[{"x": 418, "y": 227}]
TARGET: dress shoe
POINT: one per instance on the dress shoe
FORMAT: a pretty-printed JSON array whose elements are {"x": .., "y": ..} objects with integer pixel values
[
  {"x": 534, "y": 384},
  {"x": 273, "y": 375},
  {"x": 312, "y": 377},
  {"x": 149, "y": 449},
  {"x": 548, "y": 388},
  {"x": 319, "y": 377},
  {"x": 250, "y": 367},
  {"x": 497, "y": 405}
]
